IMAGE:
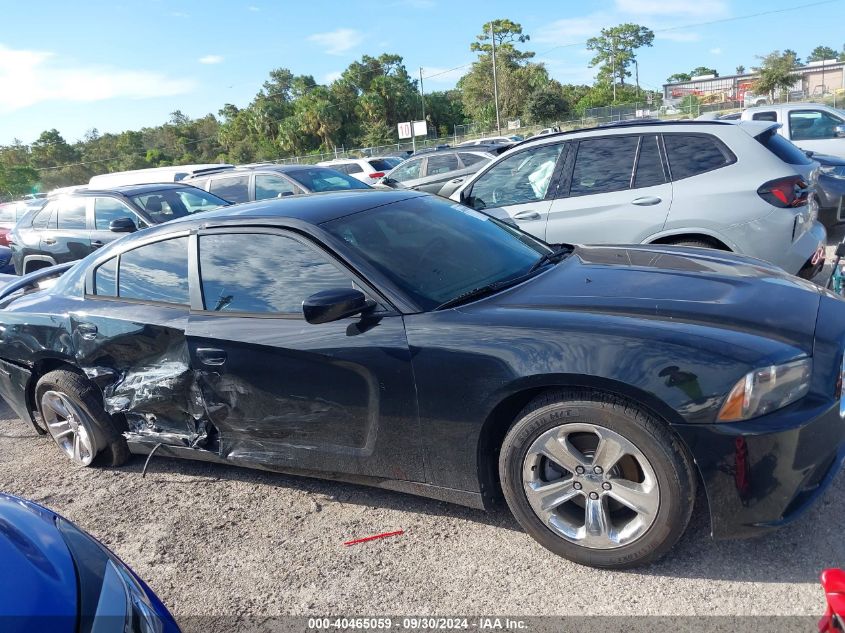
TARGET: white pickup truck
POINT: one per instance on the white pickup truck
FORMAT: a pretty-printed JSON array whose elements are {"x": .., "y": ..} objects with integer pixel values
[{"x": 811, "y": 126}]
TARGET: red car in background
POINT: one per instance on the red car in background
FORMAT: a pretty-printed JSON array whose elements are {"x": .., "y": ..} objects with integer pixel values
[{"x": 833, "y": 582}]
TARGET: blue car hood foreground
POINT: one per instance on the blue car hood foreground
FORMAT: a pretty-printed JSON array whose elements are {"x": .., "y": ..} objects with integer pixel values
[
  {"x": 684, "y": 285},
  {"x": 37, "y": 575}
]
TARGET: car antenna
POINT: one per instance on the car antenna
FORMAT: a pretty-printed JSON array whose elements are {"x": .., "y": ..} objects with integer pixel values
[{"x": 149, "y": 457}]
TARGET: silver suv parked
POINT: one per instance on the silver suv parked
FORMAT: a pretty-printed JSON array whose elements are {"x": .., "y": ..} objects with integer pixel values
[{"x": 715, "y": 184}]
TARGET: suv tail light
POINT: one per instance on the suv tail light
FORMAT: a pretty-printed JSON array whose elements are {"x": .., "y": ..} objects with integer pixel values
[
  {"x": 785, "y": 192},
  {"x": 4, "y": 237},
  {"x": 378, "y": 174}
]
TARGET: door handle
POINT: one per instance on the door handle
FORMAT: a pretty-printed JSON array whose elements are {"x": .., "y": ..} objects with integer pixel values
[
  {"x": 646, "y": 201},
  {"x": 96, "y": 243},
  {"x": 211, "y": 356},
  {"x": 527, "y": 215},
  {"x": 458, "y": 181},
  {"x": 88, "y": 331},
  {"x": 49, "y": 240}
]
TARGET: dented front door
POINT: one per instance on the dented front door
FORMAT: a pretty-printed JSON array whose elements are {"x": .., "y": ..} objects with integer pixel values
[{"x": 335, "y": 397}]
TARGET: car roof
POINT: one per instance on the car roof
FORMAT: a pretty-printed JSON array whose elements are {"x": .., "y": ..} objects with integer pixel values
[
  {"x": 799, "y": 105},
  {"x": 129, "y": 190},
  {"x": 312, "y": 209}
]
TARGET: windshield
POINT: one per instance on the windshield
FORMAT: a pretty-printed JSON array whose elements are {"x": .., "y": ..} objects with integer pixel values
[
  {"x": 170, "y": 204},
  {"x": 323, "y": 179},
  {"x": 435, "y": 251}
]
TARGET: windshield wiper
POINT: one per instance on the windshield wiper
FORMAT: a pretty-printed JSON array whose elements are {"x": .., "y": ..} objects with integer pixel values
[
  {"x": 477, "y": 293},
  {"x": 553, "y": 256}
]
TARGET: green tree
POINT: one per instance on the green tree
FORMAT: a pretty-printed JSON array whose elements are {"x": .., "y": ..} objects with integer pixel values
[
  {"x": 547, "y": 104},
  {"x": 507, "y": 34},
  {"x": 678, "y": 77},
  {"x": 703, "y": 70},
  {"x": 740, "y": 70},
  {"x": 615, "y": 50},
  {"x": 820, "y": 53},
  {"x": 796, "y": 60},
  {"x": 776, "y": 73}
]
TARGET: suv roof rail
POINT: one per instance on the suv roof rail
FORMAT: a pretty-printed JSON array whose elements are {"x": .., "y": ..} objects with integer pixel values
[{"x": 618, "y": 124}]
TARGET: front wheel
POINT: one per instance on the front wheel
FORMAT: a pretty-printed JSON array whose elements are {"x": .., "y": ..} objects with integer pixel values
[{"x": 596, "y": 480}]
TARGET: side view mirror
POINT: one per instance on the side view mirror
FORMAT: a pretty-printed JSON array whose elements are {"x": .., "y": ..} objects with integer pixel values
[
  {"x": 122, "y": 225},
  {"x": 335, "y": 304},
  {"x": 840, "y": 249},
  {"x": 840, "y": 131},
  {"x": 387, "y": 181}
]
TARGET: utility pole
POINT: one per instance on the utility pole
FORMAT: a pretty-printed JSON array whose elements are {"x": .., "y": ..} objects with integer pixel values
[
  {"x": 422, "y": 95},
  {"x": 495, "y": 82},
  {"x": 613, "y": 65},
  {"x": 637, "y": 76}
]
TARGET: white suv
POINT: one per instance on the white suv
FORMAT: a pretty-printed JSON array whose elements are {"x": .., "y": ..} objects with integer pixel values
[
  {"x": 736, "y": 186},
  {"x": 368, "y": 170}
]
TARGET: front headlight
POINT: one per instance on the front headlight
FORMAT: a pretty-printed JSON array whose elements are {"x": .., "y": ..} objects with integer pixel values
[
  {"x": 765, "y": 390},
  {"x": 836, "y": 171}
]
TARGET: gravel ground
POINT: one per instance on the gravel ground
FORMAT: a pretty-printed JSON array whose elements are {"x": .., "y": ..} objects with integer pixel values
[{"x": 228, "y": 541}]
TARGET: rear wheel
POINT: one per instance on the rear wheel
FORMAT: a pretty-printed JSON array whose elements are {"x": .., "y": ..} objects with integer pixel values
[
  {"x": 71, "y": 410},
  {"x": 596, "y": 480}
]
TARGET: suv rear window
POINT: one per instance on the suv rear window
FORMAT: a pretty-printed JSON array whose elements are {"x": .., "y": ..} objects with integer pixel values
[
  {"x": 693, "y": 154},
  {"x": 782, "y": 148},
  {"x": 380, "y": 165}
]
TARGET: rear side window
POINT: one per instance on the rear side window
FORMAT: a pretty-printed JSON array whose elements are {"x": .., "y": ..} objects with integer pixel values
[
  {"x": 234, "y": 189},
  {"x": 105, "y": 278},
  {"x": 471, "y": 159},
  {"x": 72, "y": 214},
  {"x": 352, "y": 168},
  {"x": 649, "y": 164},
  {"x": 765, "y": 116},
  {"x": 441, "y": 164},
  {"x": 261, "y": 273},
  {"x": 156, "y": 272},
  {"x": 693, "y": 154},
  {"x": 42, "y": 219},
  {"x": 782, "y": 148},
  {"x": 603, "y": 165}
]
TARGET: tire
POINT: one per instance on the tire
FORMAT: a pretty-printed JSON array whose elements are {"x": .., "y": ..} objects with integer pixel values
[
  {"x": 656, "y": 461},
  {"x": 94, "y": 439},
  {"x": 693, "y": 243}
]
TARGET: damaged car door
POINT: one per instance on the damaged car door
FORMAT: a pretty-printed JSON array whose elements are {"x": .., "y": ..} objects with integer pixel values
[
  {"x": 335, "y": 396},
  {"x": 130, "y": 340}
]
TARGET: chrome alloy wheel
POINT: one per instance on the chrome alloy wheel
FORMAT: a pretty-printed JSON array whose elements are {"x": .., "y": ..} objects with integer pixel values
[
  {"x": 69, "y": 426},
  {"x": 590, "y": 486}
]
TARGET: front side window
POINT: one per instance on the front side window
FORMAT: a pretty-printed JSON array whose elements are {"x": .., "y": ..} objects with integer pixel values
[
  {"x": 810, "y": 125},
  {"x": 263, "y": 273},
  {"x": 108, "y": 209},
  {"x": 323, "y": 179},
  {"x": 269, "y": 186},
  {"x": 471, "y": 159},
  {"x": 441, "y": 164},
  {"x": 234, "y": 188},
  {"x": 407, "y": 171},
  {"x": 156, "y": 272},
  {"x": 603, "y": 165},
  {"x": 518, "y": 179},
  {"x": 434, "y": 250},
  {"x": 690, "y": 155},
  {"x": 178, "y": 202}
]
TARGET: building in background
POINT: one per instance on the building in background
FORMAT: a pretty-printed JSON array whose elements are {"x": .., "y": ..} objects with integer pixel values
[{"x": 816, "y": 79}]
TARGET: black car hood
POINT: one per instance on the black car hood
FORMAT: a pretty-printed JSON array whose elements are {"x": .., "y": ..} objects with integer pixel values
[{"x": 698, "y": 286}]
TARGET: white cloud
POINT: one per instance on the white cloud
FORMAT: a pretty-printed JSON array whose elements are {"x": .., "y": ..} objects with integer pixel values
[
  {"x": 698, "y": 8},
  {"x": 679, "y": 36},
  {"x": 332, "y": 76},
  {"x": 338, "y": 41},
  {"x": 572, "y": 30},
  {"x": 211, "y": 59},
  {"x": 28, "y": 77},
  {"x": 715, "y": 51},
  {"x": 253, "y": 8}
]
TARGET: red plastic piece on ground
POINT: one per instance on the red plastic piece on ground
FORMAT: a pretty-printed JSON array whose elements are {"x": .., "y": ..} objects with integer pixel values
[
  {"x": 833, "y": 582},
  {"x": 372, "y": 538}
]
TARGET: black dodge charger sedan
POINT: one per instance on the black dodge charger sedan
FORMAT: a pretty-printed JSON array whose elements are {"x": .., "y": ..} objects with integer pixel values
[{"x": 395, "y": 339}]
